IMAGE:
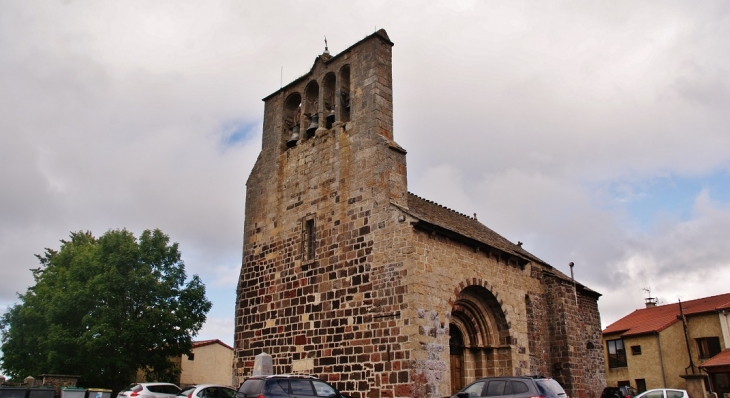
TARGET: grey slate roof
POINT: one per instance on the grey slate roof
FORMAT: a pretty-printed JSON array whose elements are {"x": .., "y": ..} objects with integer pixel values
[
  {"x": 463, "y": 225},
  {"x": 432, "y": 213}
]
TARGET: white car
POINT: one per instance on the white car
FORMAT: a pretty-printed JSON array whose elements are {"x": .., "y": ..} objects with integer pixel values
[
  {"x": 207, "y": 391},
  {"x": 663, "y": 393},
  {"x": 150, "y": 390}
]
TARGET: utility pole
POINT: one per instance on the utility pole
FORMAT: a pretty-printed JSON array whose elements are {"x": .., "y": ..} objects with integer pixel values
[
  {"x": 686, "y": 337},
  {"x": 575, "y": 289}
]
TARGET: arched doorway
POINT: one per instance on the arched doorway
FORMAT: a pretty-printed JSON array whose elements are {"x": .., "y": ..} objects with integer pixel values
[
  {"x": 479, "y": 338},
  {"x": 456, "y": 355}
]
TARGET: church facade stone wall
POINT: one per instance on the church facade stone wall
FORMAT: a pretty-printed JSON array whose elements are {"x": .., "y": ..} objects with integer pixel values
[{"x": 348, "y": 276}]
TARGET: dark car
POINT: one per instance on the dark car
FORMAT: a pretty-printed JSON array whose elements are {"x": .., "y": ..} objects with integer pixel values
[
  {"x": 513, "y": 386},
  {"x": 619, "y": 392},
  {"x": 286, "y": 386}
]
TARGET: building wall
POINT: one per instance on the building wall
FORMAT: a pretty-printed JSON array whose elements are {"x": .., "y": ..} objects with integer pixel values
[
  {"x": 674, "y": 350},
  {"x": 646, "y": 366},
  {"x": 211, "y": 364},
  {"x": 704, "y": 325},
  {"x": 724, "y": 319},
  {"x": 590, "y": 375}
]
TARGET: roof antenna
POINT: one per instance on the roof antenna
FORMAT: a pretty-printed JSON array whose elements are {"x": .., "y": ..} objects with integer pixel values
[
  {"x": 326, "y": 50},
  {"x": 649, "y": 301}
]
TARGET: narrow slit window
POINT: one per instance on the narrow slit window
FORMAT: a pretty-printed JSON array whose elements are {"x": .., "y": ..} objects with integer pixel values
[{"x": 308, "y": 239}]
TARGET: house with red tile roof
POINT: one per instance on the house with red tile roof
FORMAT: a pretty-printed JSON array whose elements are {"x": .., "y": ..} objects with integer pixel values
[
  {"x": 678, "y": 345},
  {"x": 209, "y": 362}
]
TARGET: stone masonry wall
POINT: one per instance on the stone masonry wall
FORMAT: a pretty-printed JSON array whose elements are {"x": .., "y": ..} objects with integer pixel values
[
  {"x": 562, "y": 330},
  {"x": 338, "y": 314},
  {"x": 537, "y": 330},
  {"x": 574, "y": 322},
  {"x": 594, "y": 371}
]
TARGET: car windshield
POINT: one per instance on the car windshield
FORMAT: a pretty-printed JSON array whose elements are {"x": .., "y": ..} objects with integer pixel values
[
  {"x": 186, "y": 392},
  {"x": 251, "y": 387},
  {"x": 549, "y": 388},
  {"x": 164, "y": 389}
]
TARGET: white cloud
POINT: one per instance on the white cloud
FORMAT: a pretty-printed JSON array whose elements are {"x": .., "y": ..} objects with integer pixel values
[
  {"x": 118, "y": 114},
  {"x": 217, "y": 328}
]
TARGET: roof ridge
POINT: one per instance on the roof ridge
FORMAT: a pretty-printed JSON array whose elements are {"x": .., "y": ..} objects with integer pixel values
[
  {"x": 694, "y": 301},
  {"x": 202, "y": 343},
  {"x": 443, "y": 207}
]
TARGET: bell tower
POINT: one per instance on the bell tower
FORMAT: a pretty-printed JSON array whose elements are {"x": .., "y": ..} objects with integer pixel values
[{"x": 317, "y": 200}]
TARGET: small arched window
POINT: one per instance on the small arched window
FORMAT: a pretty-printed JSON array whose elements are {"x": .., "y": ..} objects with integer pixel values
[
  {"x": 292, "y": 115},
  {"x": 328, "y": 97},
  {"x": 311, "y": 107},
  {"x": 345, "y": 100}
]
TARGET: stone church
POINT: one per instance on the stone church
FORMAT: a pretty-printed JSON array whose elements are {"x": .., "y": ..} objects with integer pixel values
[{"x": 348, "y": 276}]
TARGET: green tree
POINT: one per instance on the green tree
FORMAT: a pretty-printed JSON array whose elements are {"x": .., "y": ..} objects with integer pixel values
[{"x": 103, "y": 308}]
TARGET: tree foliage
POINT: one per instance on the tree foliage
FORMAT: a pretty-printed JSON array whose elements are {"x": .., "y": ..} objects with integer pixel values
[{"x": 104, "y": 307}]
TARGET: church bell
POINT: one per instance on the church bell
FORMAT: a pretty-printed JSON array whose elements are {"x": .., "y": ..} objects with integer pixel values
[
  {"x": 331, "y": 116},
  {"x": 314, "y": 126},
  {"x": 292, "y": 141}
]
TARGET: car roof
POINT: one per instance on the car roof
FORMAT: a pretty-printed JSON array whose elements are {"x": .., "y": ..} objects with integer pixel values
[
  {"x": 156, "y": 384},
  {"x": 515, "y": 377},
  {"x": 289, "y": 376},
  {"x": 663, "y": 389}
]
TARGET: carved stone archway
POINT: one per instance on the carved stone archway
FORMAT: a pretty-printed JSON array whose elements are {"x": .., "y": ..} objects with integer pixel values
[{"x": 479, "y": 337}]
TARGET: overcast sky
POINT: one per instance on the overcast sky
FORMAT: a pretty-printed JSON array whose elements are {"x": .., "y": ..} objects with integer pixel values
[{"x": 596, "y": 132}]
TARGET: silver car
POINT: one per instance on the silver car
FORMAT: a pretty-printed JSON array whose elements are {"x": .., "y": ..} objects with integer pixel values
[
  {"x": 664, "y": 393},
  {"x": 207, "y": 391}
]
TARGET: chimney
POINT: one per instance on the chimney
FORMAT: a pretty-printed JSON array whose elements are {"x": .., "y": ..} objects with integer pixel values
[{"x": 650, "y": 302}]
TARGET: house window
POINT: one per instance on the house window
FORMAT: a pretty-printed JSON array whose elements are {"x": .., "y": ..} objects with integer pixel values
[
  {"x": 708, "y": 346},
  {"x": 641, "y": 385},
  {"x": 635, "y": 350},
  {"x": 191, "y": 357},
  {"x": 616, "y": 353},
  {"x": 308, "y": 239}
]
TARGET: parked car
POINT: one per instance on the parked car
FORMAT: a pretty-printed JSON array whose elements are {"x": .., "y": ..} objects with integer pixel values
[
  {"x": 619, "y": 392},
  {"x": 286, "y": 386},
  {"x": 514, "y": 386},
  {"x": 150, "y": 390},
  {"x": 207, "y": 391},
  {"x": 664, "y": 393}
]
